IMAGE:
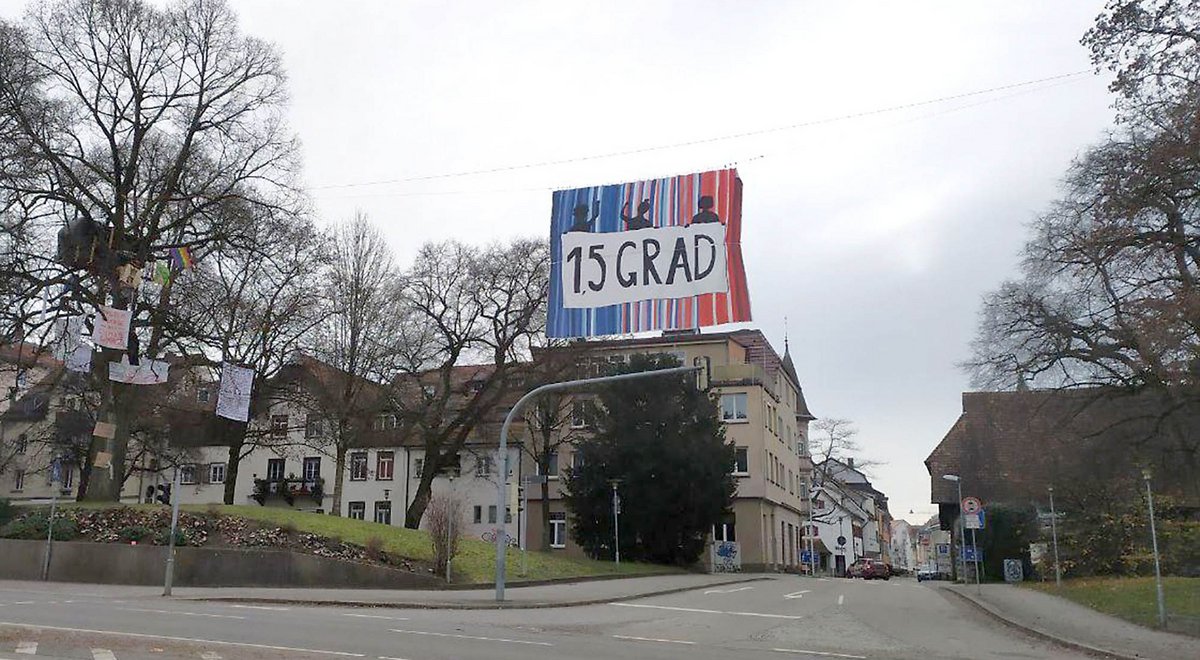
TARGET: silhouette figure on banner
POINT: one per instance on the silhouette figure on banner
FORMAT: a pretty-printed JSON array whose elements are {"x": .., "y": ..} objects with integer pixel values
[
  {"x": 706, "y": 213},
  {"x": 582, "y": 223},
  {"x": 639, "y": 222}
]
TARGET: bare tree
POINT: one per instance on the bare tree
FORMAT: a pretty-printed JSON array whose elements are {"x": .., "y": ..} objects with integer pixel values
[
  {"x": 444, "y": 521},
  {"x": 464, "y": 306},
  {"x": 145, "y": 129},
  {"x": 834, "y": 441}
]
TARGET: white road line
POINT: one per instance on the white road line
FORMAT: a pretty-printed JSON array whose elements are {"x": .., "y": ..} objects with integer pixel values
[
  {"x": 25, "y": 602},
  {"x": 700, "y": 611},
  {"x": 173, "y": 612},
  {"x": 825, "y": 653},
  {"x": 823, "y": 579},
  {"x": 385, "y": 657},
  {"x": 841, "y": 598},
  {"x": 797, "y": 594},
  {"x": 103, "y": 654},
  {"x": 376, "y": 616},
  {"x": 727, "y": 591},
  {"x": 169, "y": 638},
  {"x": 653, "y": 639},
  {"x": 262, "y": 607},
  {"x": 485, "y": 639},
  {"x": 27, "y": 648},
  {"x": 210, "y": 655}
]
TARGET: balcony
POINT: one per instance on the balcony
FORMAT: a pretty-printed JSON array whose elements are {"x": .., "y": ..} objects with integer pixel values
[{"x": 288, "y": 490}]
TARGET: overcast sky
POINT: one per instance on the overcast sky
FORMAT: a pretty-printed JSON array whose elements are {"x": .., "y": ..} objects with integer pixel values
[{"x": 874, "y": 236}]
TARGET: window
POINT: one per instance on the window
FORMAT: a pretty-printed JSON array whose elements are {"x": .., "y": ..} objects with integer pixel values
[
  {"x": 734, "y": 407},
  {"x": 726, "y": 530},
  {"x": 418, "y": 467},
  {"x": 385, "y": 465},
  {"x": 741, "y": 460},
  {"x": 576, "y": 459},
  {"x": 279, "y": 425},
  {"x": 383, "y": 512},
  {"x": 385, "y": 422},
  {"x": 357, "y": 511},
  {"x": 274, "y": 469},
  {"x": 770, "y": 418},
  {"x": 358, "y": 466},
  {"x": 312, "y": 468},
  {"x": 507, "y": 515},
  {"x": 202, "y": 395},
  {"x": 314, "y": 426},
  {"x": 216, "y": 473},
  {"x": 484, "y": 465},
  {"x": 492, "y": 514},
  {"x": 22, "y": 443},
  {"x": 791, "y": 482},
  {"x": 551, "y": 465},
  {"x": 18, "y": 479},
  {"x": 558, "y": 530},
  {"x": 187, "y": 473},
  {"x": 819, "y": 504},
  {"x": 581, "y": 414},
  {"x": 453, "y": 466},
  {"x": 478, "y": 514}
]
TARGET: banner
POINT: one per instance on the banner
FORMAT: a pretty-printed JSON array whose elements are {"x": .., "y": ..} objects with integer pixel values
[
  {"x": 111, "y": 329},
  {"x": 233, "y": 396},
  {"x": 663, "y": 254},
  {"x": 146, "y": 372}
]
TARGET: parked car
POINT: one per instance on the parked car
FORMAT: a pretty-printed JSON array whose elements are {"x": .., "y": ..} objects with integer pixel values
[{"x": 868, "y": 569}]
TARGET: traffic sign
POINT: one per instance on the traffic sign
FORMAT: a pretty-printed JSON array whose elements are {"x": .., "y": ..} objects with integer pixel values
[
  {"x": 971, "y": 505},
  {"x": 971, "y": 553},
  {"x": 1013, "y": 571},
  {"x": 805, "y": 557},
  {"x": 841, "y": 540},
  {"x": 974, "y": 520}
]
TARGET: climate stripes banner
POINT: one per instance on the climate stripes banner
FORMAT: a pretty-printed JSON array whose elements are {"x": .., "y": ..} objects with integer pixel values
[{"x": 663, "y": 254}]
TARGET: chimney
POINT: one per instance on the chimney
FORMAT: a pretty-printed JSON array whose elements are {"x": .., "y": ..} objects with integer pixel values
[{"x": 850, "y": 463}]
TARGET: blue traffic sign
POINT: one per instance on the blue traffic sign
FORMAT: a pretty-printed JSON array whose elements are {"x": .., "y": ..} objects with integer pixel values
[
  {"x": 971, "y": 553},
  {"x": 805, "y": 557}
]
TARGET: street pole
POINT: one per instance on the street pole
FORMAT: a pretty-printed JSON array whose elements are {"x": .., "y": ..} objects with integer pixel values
[
  {"x": 1162, "y": 606},
  {"x": 501, "y": 538},
  {"x": 975, "y": 552},
  {"x": 812, "y": 560},
  {"x": 170, "y": 576},
  {"x": 1054, "y": 535},
  {"x": 450, "y": 508},
  {"x": 962, "y": 535},
  {"x": 616, "y": 501},
  {"x": 50, "y": 523}
]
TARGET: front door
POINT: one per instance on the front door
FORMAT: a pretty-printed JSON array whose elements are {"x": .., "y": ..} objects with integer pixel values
[{"x": 840, "y": 566}]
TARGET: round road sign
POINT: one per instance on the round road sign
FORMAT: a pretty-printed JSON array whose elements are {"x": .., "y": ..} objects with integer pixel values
[
  {"x": 841, "y": 540},
  {"x": 971, "y": 505}
]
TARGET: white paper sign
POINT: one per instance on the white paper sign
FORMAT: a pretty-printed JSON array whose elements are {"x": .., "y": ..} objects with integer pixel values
[
  {"x": 80, "y": 359},
  {"x": 147, "y": 372},
  {"x": 111, "y": 328},
  {"x": 233, "y": 397},
  {"x": 619, "y": 267}
]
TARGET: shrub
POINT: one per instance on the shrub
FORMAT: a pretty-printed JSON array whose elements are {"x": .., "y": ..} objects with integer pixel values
[
  {"x": 163, "y": 537},
  {"x": 134, "y": 533},
  {"x": 33, "y": 527},
  {"x": 7, "y": 512},
  {"x": 443, "y": 518}
]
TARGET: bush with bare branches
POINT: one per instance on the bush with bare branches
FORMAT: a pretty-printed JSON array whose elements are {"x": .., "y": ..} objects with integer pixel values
[{"x": 444, "y": 521}]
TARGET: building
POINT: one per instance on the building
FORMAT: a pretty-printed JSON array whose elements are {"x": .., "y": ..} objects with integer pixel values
[
  {"x": 904, "y": 545},
  {"x": 877, "y": 532},
  {"x": 766, "y": 418},
  {"x": 843, "y": 526}
]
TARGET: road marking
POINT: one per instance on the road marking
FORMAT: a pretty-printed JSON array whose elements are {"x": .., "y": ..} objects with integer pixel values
[
  {"x": 841, "y": 598},
  {"x": 25, "y": 602},
  {"x": 27, "y": 648},
  {"x": 210, "y": 655},
  {"x": 103, "y": 654},
  {"x": 727, "y": 591},
  {"x": 262, "y": 607},
  {"x": 213, "y": 616},
  {"x": 823, "y": 579},
  {"x": 169, "y": 638},
  {"x": 825, "y": 653},
  {"x": 653, "y": 639},
  {"x": 385, "y": 657},
  {"x": 485, "y": 639},
  {"x": 693, "y": 609},
  {"x": 376, "y": 616},
  {"x": 798, "y": 594}
]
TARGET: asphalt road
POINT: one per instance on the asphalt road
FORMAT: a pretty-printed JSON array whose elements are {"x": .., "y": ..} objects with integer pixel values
[{"x": 786, "y": 617}]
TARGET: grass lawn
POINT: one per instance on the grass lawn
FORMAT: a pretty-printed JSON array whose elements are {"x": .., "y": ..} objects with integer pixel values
[
  {"x": 1132, "y": 599},
  {"x": 475, "y": 562}
]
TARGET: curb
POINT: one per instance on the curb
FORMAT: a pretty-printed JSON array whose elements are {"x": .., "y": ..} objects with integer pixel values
[
  {"x": 1039, "y": 633},
  {"x": 484, "y": 605}
]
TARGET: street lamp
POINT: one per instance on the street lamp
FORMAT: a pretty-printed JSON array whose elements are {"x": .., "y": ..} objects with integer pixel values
[
  {"x": 616, "y": 506},
  {"x": 962, "y": 532},
  {"x": 1162, "y": 607},
  {"x": 1054, "y": 535}
]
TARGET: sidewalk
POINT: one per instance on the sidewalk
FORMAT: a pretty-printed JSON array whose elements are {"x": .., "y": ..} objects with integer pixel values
[
  {"x": 1074, "y": 625},
  {"x": 551, "y": 595}
]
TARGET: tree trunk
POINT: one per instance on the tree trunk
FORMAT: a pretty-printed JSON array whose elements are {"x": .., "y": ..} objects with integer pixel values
[
  {"x": 105, "y": 485},
  {"x": 416, "y": 510},
  {"x": 545, "y": 514},
  {"x": 339, "y": 465},
  {"x": 231, "y": 472}
]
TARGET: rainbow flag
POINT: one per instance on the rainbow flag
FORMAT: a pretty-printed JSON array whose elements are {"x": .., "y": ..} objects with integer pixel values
[{"x": 181, "y": 258}]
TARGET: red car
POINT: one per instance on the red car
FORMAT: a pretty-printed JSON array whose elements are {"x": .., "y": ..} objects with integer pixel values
[{"x": 868, "y": 569}]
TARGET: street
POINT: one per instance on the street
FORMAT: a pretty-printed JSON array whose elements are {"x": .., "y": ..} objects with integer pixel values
[{"x": 776, "y": 618}]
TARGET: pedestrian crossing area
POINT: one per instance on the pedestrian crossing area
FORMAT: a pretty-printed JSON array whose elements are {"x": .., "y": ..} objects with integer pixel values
[{"x": 26, "y": 648}]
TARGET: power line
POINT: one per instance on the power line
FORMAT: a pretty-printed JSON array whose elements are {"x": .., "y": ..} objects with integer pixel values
[{"x": 709, "y": 140}]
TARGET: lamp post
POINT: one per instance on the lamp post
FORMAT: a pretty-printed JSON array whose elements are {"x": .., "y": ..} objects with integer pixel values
[
  {"x": 1054, "y": 536},
  {"x": 450, "y": 511},
  {"x": 962, "y": 531},
  {"x": 616, "y": 502},
  {"x": 1162, "y": 606}
]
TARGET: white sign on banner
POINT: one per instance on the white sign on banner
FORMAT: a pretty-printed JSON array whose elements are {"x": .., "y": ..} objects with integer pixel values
[
  {"x": 233, "y": 397},
  {"x": 147, "y": 372},
  {"x": 80, "y": 359},
  {"x": 601, "y": 269},
  {"x": 111, "y": 329}
]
